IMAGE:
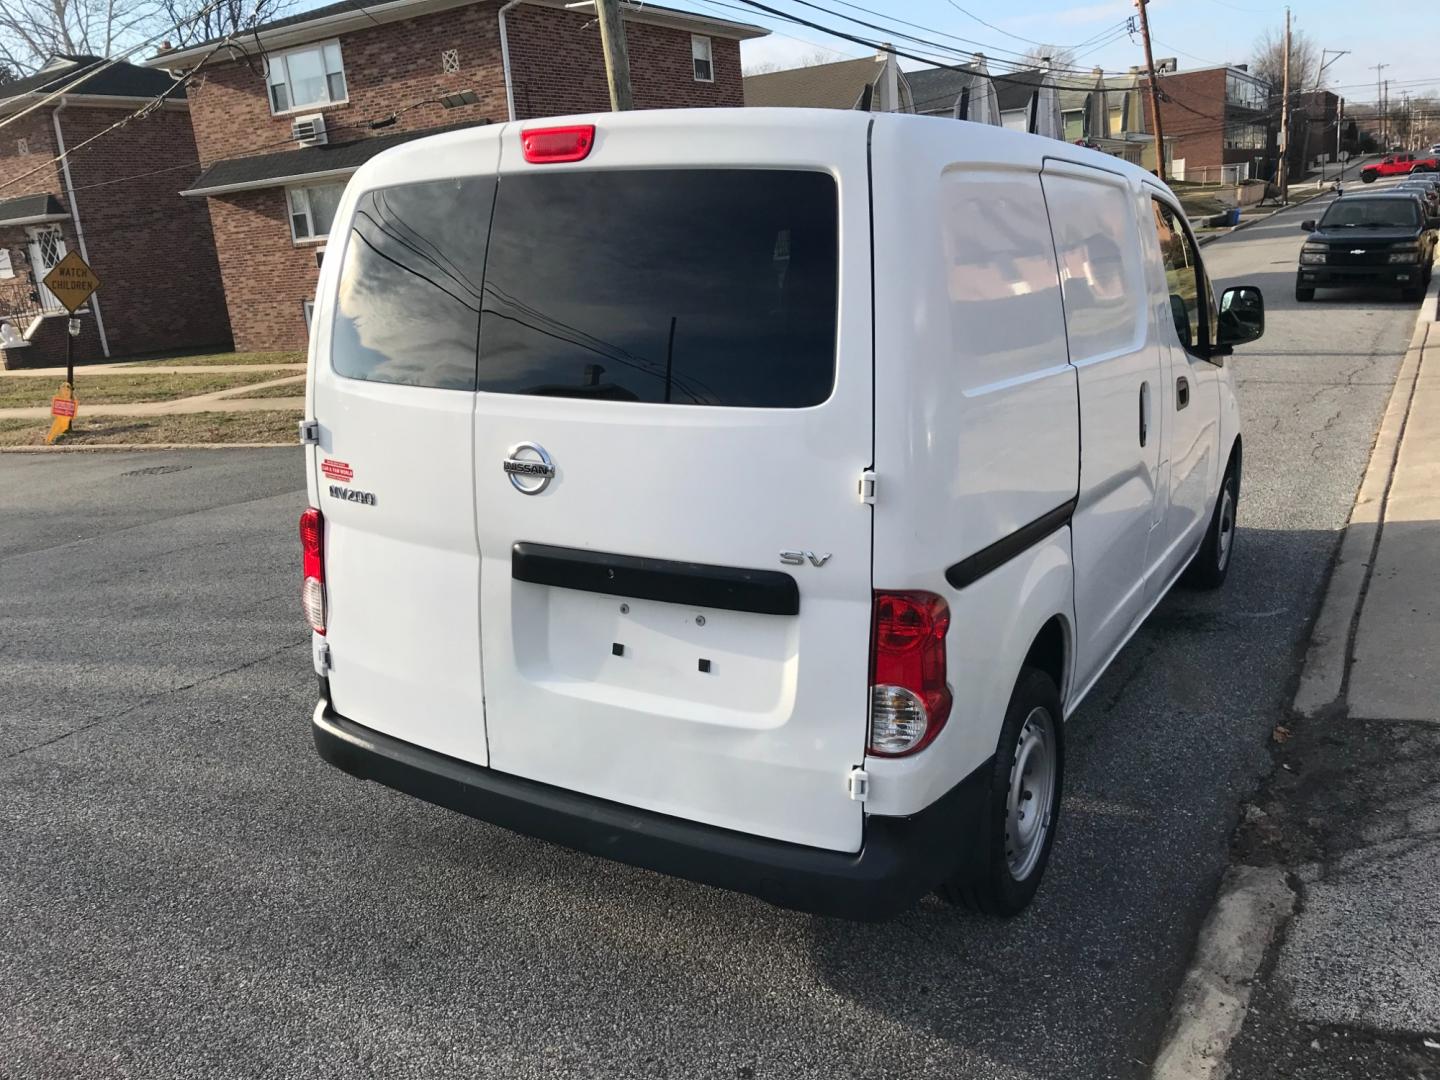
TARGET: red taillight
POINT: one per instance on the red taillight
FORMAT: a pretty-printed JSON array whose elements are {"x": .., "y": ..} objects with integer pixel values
[
  {"x": 909, "y": 698},
  {"x": 312, "y": 562},
  {"x": 546, "y": 146}
]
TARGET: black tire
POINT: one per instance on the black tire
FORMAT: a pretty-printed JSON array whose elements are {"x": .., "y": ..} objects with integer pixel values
[
  {"x": 1212, "y": 562},
  {"x": 1368, "y": 177},
  {"x": 988, "y": 883},
  {"x": 1303, "y": 294},
  {"x": 1412, "y": 293}
]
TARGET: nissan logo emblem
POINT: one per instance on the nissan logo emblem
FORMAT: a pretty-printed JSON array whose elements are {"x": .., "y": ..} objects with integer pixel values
[{"x": 529, "y": 468}]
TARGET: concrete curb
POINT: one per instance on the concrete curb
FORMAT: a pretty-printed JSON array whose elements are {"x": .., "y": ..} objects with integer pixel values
[
  {"x": 1210, "y": 1007},
  {"x": 1322, "y": 678},
  {"x": 115, "y": 447}
]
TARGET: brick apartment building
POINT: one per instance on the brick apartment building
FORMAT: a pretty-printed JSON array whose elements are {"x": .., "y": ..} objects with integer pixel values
[
  {"x": 1214, "y": 117},
  {"x": 114, "y": 202},
  {"x": 272, "y": 196}
]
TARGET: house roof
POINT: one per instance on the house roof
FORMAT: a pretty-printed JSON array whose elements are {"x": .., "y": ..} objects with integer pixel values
[
  {"x": 31, "y": 210},
  {"x": 351, "y": 15},
  {"x": 936, "y": 89},
  {"x": 335, "y": 160},
  {"x": 118, "y": 80},
  {"x": 820, "y": 86}
]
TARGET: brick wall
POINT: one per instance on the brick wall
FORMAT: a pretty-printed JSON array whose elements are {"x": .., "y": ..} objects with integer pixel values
[
  {"x": 1198, "y": 130},
  {"x": 153, "y": 250},
  {"x": 557, "y": 69},
  {"x": 267, "y": 277}
]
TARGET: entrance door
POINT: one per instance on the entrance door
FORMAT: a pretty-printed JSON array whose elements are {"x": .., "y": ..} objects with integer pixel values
[
  {"x": 675, "y": 392},
  {"x": 47, "y": 248}
]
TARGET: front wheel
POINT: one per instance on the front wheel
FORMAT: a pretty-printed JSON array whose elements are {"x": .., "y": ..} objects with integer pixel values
[
  {"x": 1022, "y": 805},
  {"x": 1212, "y": 562},
  {"x": 1412, "y": 292},
  {"x": 1302, "y": 293}
]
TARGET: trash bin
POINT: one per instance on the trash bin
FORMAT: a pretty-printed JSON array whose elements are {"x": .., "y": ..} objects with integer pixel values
[{"x": 1232, "y": 216}]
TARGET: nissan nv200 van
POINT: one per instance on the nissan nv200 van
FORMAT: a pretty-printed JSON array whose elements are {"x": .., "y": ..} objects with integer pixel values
[{"x": 751, "y": 494}]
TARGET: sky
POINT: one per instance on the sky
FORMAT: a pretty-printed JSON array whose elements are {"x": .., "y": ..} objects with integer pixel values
[{"x": 1197, "y": 33}]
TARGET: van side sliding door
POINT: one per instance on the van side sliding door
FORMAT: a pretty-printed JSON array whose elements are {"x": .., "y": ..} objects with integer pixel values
[{"x": 1102, "y": 276}]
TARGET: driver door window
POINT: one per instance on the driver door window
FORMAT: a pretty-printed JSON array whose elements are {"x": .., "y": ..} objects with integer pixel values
[{"x": 1184, "y": 280}]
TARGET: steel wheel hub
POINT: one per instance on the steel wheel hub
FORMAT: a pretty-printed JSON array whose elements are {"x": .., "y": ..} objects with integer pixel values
[
  {"x": 1227, "y": 527},
  {"x": 1029, "y": 804}
]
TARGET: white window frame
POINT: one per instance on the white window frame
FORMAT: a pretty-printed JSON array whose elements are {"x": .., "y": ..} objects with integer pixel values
[
  {"x": 701, "y": 44},
  {"x": 279, "y": 62},
  {"x": 308, "y": 307},
  {"x": 291, "y": 212}
]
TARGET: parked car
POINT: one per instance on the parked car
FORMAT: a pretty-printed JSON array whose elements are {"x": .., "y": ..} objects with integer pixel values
[
  {"x": 751, "y": 494},
  {"x": 1428, "y": 193},
  {"x": 1398, "y": 165},
  {"x": 1383, "y": 239}
]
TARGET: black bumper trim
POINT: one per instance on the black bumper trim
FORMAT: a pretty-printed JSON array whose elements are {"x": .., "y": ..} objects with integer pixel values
[
  {"x": 900, "y": 861},
  {"x": 732, "y": 588}
]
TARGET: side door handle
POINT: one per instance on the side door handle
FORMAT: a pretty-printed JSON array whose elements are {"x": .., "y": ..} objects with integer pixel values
[
  {"x": 1144, "y": 408},
  {"x": 1182, "y": 393}
]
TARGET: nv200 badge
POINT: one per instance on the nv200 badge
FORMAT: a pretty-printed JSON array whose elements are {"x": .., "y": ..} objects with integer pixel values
[{"x": 344, "y": 494}]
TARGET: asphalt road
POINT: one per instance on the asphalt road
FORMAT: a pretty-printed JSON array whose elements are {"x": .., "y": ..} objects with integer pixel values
[{"x": 186, "y": 890}]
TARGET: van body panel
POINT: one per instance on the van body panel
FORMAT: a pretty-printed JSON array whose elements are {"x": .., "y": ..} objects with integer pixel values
[
  {"x": 676, "y": 707},
  {"x": 977, "y": 419},
  {"x": 1102, "y": 268},
  {"x": 392, "y": 476},
  {"x": 994, "y": 622}
]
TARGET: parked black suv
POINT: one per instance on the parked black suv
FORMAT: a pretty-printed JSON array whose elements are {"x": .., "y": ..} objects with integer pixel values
[{"x": 1381, "y": 239}]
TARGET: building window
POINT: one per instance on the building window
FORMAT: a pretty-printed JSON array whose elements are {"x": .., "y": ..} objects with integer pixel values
[
  {"x": 312, "y": 210},
  {"x": 1240, "y": 135},
  {"x": 304, "y": 77},
  {"x": 309, "y": 308},
  {"x": 22, "y": 146},
  {"x": 450, "y": 61},
  {"x": 701, "y": 59}
]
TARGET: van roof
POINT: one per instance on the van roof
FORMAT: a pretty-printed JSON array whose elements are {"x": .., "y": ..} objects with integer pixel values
[{"x": 982, "y": 142}]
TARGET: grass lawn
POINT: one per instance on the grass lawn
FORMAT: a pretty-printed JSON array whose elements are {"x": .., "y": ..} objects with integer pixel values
[
  {"x": 211, "y": 427},
  {"x": 121, "y": 388},
  {"x": 291, "y": 389},
  {"x": 224, "y": 359}
]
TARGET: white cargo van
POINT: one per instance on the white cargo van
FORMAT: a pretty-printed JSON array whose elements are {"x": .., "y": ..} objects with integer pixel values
[{"x": 751, "y": 494}]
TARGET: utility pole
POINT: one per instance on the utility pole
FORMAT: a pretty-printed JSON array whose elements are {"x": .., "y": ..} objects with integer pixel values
[
  {"x": 1379, "y": 106},
  {"x": 1284, "y": 177},
  {"x": 1154, "y": 93},
  {"x": 617, "y": 59}
]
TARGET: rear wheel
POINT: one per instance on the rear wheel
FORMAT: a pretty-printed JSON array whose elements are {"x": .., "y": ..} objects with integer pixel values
[
  {"x": 1212, "y": 562},
  {"x": 1367, "y": 177},
  {"x": 1022, "y": 804}
]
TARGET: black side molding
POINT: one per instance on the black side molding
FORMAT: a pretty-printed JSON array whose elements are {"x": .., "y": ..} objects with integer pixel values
[
  {"x": 730, "y": 588},
  {"x": 970, "y": 570}
]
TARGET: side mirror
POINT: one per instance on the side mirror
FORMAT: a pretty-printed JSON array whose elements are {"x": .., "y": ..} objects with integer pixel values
[
  {"x": 1308, "y": 225},
  {"x": 1242, "y": 315}
]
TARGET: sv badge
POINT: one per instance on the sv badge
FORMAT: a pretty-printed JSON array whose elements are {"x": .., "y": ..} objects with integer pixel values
[{"x": 799, "y": 558}]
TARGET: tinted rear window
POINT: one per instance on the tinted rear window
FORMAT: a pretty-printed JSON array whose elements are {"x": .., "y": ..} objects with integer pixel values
[
  {"x": 709, "y": 287},
  {"x": 408, "y": 307}
]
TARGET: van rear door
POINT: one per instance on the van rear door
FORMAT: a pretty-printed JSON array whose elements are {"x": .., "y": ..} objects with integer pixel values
[
  {"x": 675, "y": 387},
  {"x": 393, "y": 391}
]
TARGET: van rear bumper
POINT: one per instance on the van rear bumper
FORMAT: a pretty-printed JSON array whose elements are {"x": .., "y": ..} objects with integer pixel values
[{"x": 900, "y": 861}]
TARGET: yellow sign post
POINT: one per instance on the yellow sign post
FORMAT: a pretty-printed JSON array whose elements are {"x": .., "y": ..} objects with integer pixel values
[{"x": 72, "y": 282}]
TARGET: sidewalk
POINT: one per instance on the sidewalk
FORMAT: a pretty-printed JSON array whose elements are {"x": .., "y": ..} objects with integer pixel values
[{"x": 1321, "y": 959}]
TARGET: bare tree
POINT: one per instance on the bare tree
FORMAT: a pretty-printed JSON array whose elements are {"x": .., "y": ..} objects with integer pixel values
[
  {"x": 32, "y": 31},
  {"x": 207, "y": 20},
  {"x": 814, "y": 58},
  {"x": 1061, "y": 58},
  {"x": 1268, "y": 60}
]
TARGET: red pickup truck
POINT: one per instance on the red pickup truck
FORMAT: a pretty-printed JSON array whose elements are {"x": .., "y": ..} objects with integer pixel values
[{"x": 1398, "y": 165}]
